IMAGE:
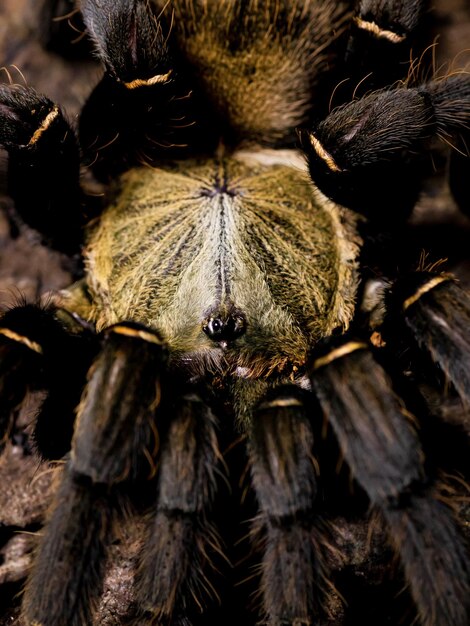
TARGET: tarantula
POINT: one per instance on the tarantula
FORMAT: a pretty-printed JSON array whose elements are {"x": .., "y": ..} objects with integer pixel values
[{"x": 228, "y": 292}]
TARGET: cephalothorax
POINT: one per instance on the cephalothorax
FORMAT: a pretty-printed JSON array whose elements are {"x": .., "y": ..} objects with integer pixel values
[
  {"x": 181, "y": 249},
  {"x": 226, "y": 292}
]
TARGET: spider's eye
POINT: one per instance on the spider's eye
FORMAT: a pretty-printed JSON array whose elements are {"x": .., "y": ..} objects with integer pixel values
[
  {"x": 215, "y": 326},
  {"x": 224, "y": 327}
]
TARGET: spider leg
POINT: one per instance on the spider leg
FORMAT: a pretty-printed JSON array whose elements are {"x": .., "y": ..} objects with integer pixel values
[
  {"x": 43, "y": 166},
  {"x": 384, "y": 455},
  {"x": 34, "y": 343},
  {"x": 284, "y": 478},
  {"x": 109, "y": 446},
  {"x": 144, "y": 108},
  {"x": 172, "y": 580},
  {"x": 66, "y": 579},
  {"x": 380, "y": 38},
  {"x": 435, "y": 310},
  {"x": 370, "y": 154},
  {"x": 392, "y": 20}
]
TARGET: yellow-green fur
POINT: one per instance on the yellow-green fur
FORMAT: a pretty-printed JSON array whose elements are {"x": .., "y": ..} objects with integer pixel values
[{"x": 248, "y": 232}]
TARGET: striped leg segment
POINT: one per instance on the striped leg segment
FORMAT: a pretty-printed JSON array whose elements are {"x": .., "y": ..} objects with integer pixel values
[
  {"x": 66, "y": 580},
  {"x": 21, "y": 365},
  {"x": 174, "y": 580},
  {"x": 436, "y": 311},
  {"x": 384, "y": 455},
  {"x": 38, "y": 352},
  {"x": 43, "y": 167},
  {"x": 144, "y": 108},
  {"x": 382, "y": 36},
  {"x": 114, "y": 439},
  {"x": 358, "y": 153},
  {"x": 284, "y": 479},
  {"x": 392, "y": 20}
]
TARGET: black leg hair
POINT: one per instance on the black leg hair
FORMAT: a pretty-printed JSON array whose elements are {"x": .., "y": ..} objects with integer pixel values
[
  {"x": 20, "y": 370},
  {"x": 43, "y": 167},
  {"x": 173, "y": 580},
  {"x": 384, "y": 455},
  {"x": 39, "y": 351},
  {"x": 284, "y": 479},
  {"x": 144, "y": 108},
  {"x": 382, "y": 34},
  {"x": 369, "y": 154},
  {"x": 114, "y": 438},
  {"x": 65, "y": 583},
  {"x": 115, "y": 418},
  {"x": 436, "y": 312},
  {"x": 391, "y": 20}
]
